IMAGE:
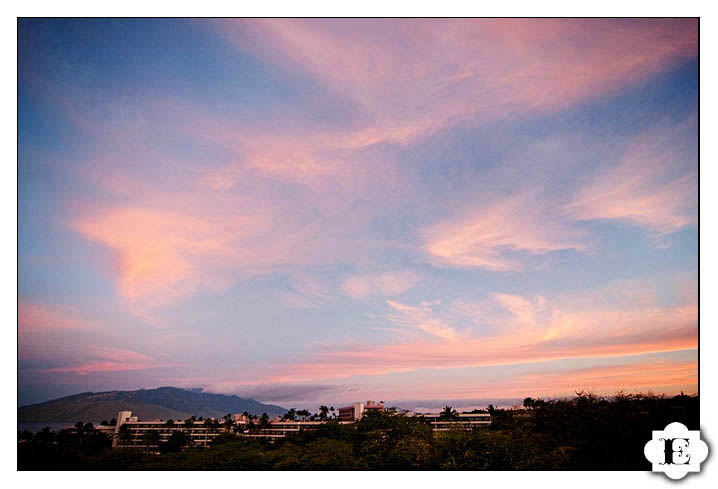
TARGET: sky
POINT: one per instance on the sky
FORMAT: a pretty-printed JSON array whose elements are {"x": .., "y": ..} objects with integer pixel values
[{"x": 335, "y": 210}]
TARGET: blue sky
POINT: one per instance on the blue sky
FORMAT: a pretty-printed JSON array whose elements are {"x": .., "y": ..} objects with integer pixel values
[{"x": 333, "y": 210}]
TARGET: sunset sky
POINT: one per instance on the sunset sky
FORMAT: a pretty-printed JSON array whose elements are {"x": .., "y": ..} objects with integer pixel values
[{"x": 306, "y": 211}]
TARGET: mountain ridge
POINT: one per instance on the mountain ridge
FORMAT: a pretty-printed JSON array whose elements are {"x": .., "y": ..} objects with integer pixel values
[{"x": 162, "y": 402}]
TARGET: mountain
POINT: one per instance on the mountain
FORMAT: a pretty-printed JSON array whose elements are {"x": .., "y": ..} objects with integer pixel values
[{"x": 148, "y": 404}]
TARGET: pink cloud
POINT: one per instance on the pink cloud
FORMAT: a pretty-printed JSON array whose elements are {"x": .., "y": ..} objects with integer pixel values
[
  {"x": 387, "y": 284},
  {"x": 107, "y": 359},
  {"x": 652, "y": 185},
  {"x": 38, "y": 317},
  {"x": 537, "y": 330},
  {"x": 398, "y": 90},
  {"x": 170, "y": 246},
  {"x": 642, "y": 188},
  {"x": 410, "y": 77},
  {"x": 420, "y": 318},
  {"x": 480, "y": 236}
]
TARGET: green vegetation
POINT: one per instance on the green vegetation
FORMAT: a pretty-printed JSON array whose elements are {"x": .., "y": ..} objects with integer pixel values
[{"x": 585, "y": 433}]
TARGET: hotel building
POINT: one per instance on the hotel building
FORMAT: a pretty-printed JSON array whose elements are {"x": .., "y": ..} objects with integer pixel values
[{"x": 130, "y": 432}]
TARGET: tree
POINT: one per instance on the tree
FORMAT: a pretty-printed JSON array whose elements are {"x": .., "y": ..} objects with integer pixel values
[
  {"x": 208, "y": 427},
  {"x": 228, "y": 423},
  {"x": 448, "y": 413},
  {"x": 334, "y": 415},
  {"x": 176, "y": 442},
  {"x": 290, "y": 415},
  {"x": 323, "y": 412},
  {"x": 189, "y": 423},
  {"x": 124, "y": 434},
  {"x": 150, "y": 438},
  {"x": 264, "y": 421},
  {"x": 45, "y": 435},
  {"x": 528, "y": 403},
  {"x": 169, "y": 423}
]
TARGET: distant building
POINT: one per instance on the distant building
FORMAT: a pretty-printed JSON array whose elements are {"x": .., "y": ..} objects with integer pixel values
[
  {"x": 460, "y": 421},
  {"x": 357, "y": 410},
  {"x": 200, "y": 433},
  {"x": 130, "y": 432}
]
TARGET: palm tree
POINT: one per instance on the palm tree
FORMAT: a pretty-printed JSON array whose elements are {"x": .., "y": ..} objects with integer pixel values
[
  {"x": 334, "y": 415},
  {"x": 448, "y": 413},
  {"x": 228, "y": 422},
  {"x": 323, "y": 412}
]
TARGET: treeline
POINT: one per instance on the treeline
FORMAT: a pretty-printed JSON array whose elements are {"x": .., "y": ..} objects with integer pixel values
[{"x": 584, "y": 433}]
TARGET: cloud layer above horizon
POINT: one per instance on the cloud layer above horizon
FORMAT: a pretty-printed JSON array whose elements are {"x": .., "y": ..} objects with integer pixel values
[{"x": 311, "y": 211}]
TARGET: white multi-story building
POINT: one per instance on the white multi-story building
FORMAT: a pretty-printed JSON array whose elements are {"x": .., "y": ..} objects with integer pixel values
[
  {"x": 130, "y": 432},
  {"x": 460, "y": 421},
  {"x": 357, "y": 410}
]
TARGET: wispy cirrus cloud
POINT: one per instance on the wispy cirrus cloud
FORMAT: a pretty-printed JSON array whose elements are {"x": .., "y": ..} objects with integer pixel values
[
  {"x": 420, "y": 318},
  {"x": 387, "y": 284},
  {"x": 533, "y": 330},
  {"x": 164, "y": 255},
  {"x": 643, "y": 187},
  {"x": 651, "y": 184},
  {"x": 486, "y": 235},
  {"x": 487, "y": 67}
]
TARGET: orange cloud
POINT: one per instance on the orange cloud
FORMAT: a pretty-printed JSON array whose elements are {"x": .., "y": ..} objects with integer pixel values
[
  {"x": 164, "y": 255},
  {"x": 536, "y": 331},
  {"x": 643, "y": 376}
]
